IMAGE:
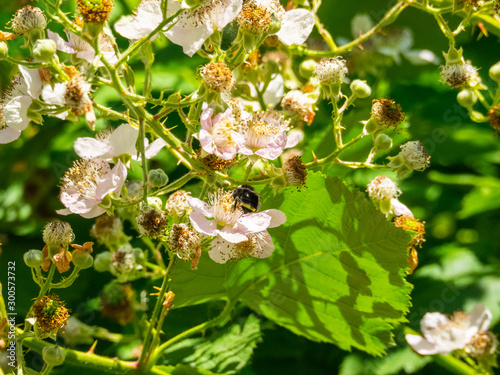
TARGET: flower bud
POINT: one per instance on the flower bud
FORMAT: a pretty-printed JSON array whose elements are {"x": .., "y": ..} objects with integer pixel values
[
  {"x": 383, "y": 142},
  {"x": 53, "y": 355},
  {"x": 360, "y": 89},
  {"x": 58, "y": 233},
  {"x": 466, "y": 98},
  {"x": 102, "y": 261},
  {"x": 157, "y": 178},
  {"x": 44, "y": 50},
  {"x": 495, "y": 72},
  {"x": 108, "y": 230},
  {"x": 306, "y": 68},
  {"x": 33, "y": 258},
  {"x": 4, "y": 50},
  {"x": 83, "y": 260}
]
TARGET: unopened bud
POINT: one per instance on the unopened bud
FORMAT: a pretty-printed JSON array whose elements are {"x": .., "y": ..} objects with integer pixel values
[
  {"x": 4, "y": 50},
  {"x": 383, "y": 142},
  {"x": 157, "y": 178},
  {"x": 44, "y": 50},
  {"x": 360, "y": 89},
  {"x": 467, "y": 98},
  {"x": 53, "y": 355},
  {"x": 83, "y": 260},
  {"x": 102, "y": 261},
  {"x": 307, "y": 67},
  {"x": 33, "y": 258},
  {"x": 495, "y": 72}
]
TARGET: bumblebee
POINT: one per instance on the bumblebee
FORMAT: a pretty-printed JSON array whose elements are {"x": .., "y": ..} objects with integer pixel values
[{"x": 246, "y": 198}]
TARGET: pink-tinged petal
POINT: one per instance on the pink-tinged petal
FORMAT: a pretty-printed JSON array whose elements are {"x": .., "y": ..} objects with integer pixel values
[
  {"x": 81, "y": 206},
  {"x": 400, "y": 209},
  {"x": 266, "y": 246},
  {"x": 293, "y": 140},
  {"x": 206, "y": 119},
  {"x": 421, "y": 345},
  {"x": 245, "y": 151},
  {"x": 64, "y": 211},
  {"x": 8, "y": 135},
  {"x": 199, "y": 205},
  {"x": 232, "y": 235},
  {"x": 155, "y": 147},
  {"x": 112, "y": 182},
  {"x": 296, "y": 26},
  {"x": 61, "y": 44},
  {"x": 269, "y": 153},
  {"x": 69, "y": 197},
  {"x": 225, "y": 154},
  {"x": 480, "y": 320},
  {"x": 15, "y": 112},
  {"x": 201, "y": 224},
  {"x": 277, "y": 217},
  {"x": 33, "y": 81},
  {"x": 86, "y": 55},
  {"x": 91, "y": 148},
  {"x": 253, "y": 223},
  {"x": 123, "y": 139},
  {"x": 206, "y": 141},
  {"x": 94, "y": 212}
]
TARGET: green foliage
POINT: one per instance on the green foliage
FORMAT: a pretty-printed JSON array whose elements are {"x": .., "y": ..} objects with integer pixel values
[
  {"x": 224, "y": 352},
  {"x": 337, "y": 274}
]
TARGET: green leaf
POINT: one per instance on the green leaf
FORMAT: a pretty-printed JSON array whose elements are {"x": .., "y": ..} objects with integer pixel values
[
  {"x": 226, "y": 352},
  {"x": 336, "y": 275}
]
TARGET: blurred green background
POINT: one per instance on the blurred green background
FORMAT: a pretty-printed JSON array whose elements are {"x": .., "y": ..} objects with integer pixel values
[{"x": 458, "y": 196}]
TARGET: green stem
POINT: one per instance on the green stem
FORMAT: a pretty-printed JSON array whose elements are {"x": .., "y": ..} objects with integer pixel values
[
  {"x": 146, "y": 348},
  {"x": 204, "y": 190},
  {"x": 443, "y": 25},
  {"x": 177, "y": 184},
  {"x": 454, "y": 365},
  {"x": 199, "y": 328},
  {"x": 47, "y": 370},
  {"x": 142, "y": 151},
  {"x": 68, "y": 281}
]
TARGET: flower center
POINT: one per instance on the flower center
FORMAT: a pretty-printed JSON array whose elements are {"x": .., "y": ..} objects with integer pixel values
[
  {"x": 222, "y": 133},
  {"x": 84, "y": 176},
  {"x": 223, "y": 209}
]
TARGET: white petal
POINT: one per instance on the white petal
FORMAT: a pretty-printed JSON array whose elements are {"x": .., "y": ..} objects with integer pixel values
[
  {"x": 296, "y": 26},
  {"x": 91, "y": 148},
  {"x": 223, "y": 15},
  {"x": 148, "y": 17},
  {"x": 480, "y": 320},
  {"x": 421, "y": 345},
  {"x": 33, "y": 81},
  {"x": 64, "y": 211},
  {"x": 94, "y": 212},
  {"x": 113, "y": 181},
  {"x": 400, "y": 209},
  {"x": 432, "y": 321},
  {"x": 277, "y": 217},
  {"x": 15, "y": 112},
  {"x": 189, "y": 33},
  {"x": 8, "y": 135},
  {"x": 54, "y": 96},
  {"x": 61, "y": 44},
  {"x": 219, "y": 251},
  {"x": 266, "y": 245},
  {"x": 154, "y": 148},
  {"x": 275, "y": 91},
  {"x": 123, "y": 139},
  {"x": 86, "y": 55}
]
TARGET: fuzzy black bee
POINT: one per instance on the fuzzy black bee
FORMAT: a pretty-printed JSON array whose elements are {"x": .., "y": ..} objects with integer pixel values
[{"x": 246, "y": 198}]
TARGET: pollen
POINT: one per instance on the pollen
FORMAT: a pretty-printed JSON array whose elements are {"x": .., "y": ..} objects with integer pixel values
[
  {"x": 222, "y": 133},
  {"x": 177, "y": 204},
  {"x": 95, "y": 11},
  {"x": 84, "y": 177},
  {"x": 215, "y": 163},
  {"x": 217, "y": 76},
  {"x": 254, "y": 19},
  {"x": 223, "y": 208},
  {"x": 387, "y": 113}
]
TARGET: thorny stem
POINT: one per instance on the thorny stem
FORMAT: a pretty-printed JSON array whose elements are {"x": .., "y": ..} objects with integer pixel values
[
  {"x": 443, "y": 25},
  {"x": 146, "y": 349},
  {"x": 177, "y": 184}
]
